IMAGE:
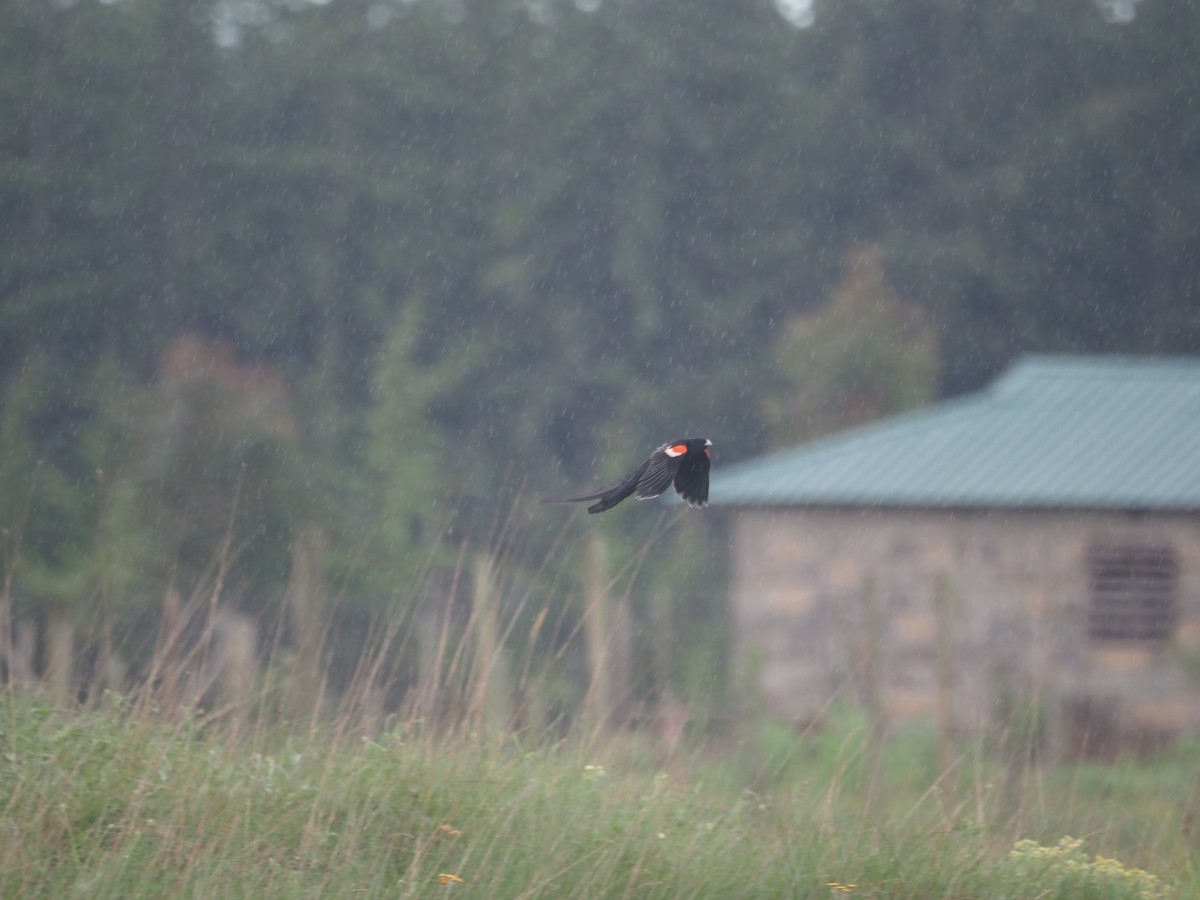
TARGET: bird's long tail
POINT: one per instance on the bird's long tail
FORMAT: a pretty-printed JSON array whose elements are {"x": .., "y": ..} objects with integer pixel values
[{"x": 608, "y": 497}]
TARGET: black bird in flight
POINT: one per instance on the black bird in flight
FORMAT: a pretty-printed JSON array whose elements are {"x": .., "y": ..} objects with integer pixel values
[{"x": 683, "y": 463}]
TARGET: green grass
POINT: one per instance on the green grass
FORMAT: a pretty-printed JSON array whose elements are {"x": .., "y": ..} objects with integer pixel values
[{"x": 115, "y": 804}]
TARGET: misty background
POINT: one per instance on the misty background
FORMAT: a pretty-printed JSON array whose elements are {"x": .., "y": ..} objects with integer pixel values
[{"x": 303, "y": 305}]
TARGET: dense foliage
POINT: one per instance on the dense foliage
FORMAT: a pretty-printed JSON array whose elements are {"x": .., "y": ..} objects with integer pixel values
[{"x": 361, "y": 263}]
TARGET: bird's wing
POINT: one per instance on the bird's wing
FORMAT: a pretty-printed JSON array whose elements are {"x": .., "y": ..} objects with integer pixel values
[
  {"x": 691, "y": 482},
  {"x": 659, "y": 470}
]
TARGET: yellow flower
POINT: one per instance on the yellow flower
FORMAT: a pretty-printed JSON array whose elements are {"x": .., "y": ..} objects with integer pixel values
[
  {"x": 447, "y": 878},
  {"x": 839, "y": 887},
  {"x": 1066, "y": 860}
]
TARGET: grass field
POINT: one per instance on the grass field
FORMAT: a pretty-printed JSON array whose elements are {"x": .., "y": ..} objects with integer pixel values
[{"x": 118, "y": 804}]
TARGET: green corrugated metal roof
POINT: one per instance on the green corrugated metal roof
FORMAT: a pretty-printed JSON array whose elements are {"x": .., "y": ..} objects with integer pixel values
[{"x": 1056, "y": 431}]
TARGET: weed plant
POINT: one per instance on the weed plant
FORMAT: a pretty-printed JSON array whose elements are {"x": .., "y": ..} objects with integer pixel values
[{"x": 121, "y": 803}]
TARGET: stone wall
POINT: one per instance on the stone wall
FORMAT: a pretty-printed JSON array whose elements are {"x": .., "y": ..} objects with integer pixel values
[{"x": 1004, "y": 595}]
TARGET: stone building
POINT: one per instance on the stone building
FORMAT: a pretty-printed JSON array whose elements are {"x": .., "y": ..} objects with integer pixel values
[{"x": 1035, "y": 546}]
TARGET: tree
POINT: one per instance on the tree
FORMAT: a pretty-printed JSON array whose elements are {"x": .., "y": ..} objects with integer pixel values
[{"x": 863, "y": 355}]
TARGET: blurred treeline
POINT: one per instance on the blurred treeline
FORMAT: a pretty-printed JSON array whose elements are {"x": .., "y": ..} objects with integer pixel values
[{"x": 297, "y": 293}]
